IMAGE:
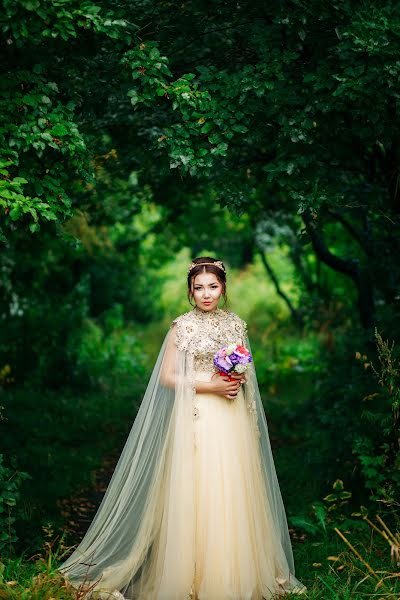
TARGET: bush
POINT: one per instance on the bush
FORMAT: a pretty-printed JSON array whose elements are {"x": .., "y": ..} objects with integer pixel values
[{"x": 10, "y": 482}]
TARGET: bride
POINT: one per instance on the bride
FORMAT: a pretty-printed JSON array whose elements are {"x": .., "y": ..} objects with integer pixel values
[{"x": 193, "y": 510}]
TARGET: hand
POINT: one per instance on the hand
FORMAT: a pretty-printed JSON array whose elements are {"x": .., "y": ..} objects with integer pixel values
[
  {"x": 225, "y": 387},
  {"x": 240, "y": 376}
]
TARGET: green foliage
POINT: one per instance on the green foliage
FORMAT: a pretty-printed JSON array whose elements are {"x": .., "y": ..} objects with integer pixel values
[
  {"x": 69, "y": 436},
  {"x": 10, "y": 484},
  {"x": 377, "y": 447},
  {"x": 204, "y": 124},
  {"x": 355, "y": 420},
  {"x": 333, "y": 511},
  {"x": 45, "y": 161},
  {"x": 37, "y": 129},
  {"x": 36, "y": 578},
  {"x": 109, "y": 357},
  {"x": 29, "y": 20}
]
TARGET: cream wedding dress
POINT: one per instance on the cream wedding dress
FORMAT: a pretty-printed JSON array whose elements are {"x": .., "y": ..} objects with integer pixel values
[{"x": 193, "y": 510}]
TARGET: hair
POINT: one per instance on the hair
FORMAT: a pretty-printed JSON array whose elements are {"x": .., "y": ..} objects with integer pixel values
[{"x": 202, "y": 268}]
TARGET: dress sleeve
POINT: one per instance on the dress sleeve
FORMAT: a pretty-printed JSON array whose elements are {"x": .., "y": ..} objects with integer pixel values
[
  {"x": 168, "y": 367},
  {"x": 243, "y": 331},
  {"x": 182, "y": 328}
]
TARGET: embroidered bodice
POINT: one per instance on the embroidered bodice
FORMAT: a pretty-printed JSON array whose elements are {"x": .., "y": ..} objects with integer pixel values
[{"x": 203, "y": 333}]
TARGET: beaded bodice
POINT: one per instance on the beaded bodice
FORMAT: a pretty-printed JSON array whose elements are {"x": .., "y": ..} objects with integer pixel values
[{"x": 203, "y": 333}]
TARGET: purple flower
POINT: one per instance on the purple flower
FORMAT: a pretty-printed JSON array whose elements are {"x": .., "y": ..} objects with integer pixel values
[
  {"x": 228, "y": 357},
  {"x": 223, "y": 363}
]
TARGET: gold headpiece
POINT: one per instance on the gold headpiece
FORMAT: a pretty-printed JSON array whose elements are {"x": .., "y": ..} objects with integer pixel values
[{"x": 217, "y": 263}]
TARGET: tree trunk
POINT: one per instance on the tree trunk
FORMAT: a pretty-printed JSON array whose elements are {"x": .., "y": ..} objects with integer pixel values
[
  {"x": 295, "y": 314},
  {"x": 350, "y": 267}
]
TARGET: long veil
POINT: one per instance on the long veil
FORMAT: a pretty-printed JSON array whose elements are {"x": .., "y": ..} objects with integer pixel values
[
  {"x": 147, "y": 516},
  {"x": 277, "y": 509}
]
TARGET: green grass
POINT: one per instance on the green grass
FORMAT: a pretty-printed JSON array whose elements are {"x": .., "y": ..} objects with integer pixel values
[{"x": 328, "y": 568}]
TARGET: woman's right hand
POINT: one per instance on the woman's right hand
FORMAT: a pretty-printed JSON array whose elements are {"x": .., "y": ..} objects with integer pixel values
[{"x": 223, "y": 386}]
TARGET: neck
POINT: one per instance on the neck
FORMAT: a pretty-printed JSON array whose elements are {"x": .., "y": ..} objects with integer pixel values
[{"x": 213, "y": 310}]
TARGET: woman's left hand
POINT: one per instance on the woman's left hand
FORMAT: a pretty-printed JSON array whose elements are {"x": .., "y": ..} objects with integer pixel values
[
  {"x": 237, "y": 377},
  {"x": 240, "y": 376}
]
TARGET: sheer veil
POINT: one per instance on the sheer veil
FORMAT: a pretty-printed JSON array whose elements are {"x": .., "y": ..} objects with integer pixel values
[
  {"x": 146, "y": 518},
  {"x": 278, "y": 513}
]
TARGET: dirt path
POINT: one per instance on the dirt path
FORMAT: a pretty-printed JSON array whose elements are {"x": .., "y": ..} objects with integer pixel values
[{"x": 79, "y": 510}]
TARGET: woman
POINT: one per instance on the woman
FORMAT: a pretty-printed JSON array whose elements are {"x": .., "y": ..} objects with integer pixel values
[{"x": 193, "y": 509}]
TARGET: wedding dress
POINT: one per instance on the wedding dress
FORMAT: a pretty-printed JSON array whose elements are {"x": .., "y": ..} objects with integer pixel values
[{"x": 193, "y": 510}]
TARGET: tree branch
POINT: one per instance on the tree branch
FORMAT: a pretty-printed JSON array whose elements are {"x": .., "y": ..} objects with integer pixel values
[
  {"x": 351, "y": 268},
  {"x": 295, "y": 314},
  {"x": 350, "y": 228}
]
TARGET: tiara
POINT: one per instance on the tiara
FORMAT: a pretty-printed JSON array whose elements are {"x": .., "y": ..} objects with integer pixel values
[{"x": 217, "y": 263}]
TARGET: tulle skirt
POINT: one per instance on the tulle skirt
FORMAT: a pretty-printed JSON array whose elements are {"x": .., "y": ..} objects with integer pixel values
[
  {"x": 217, "y": 539},
  {"x": 238, "y": 556}
]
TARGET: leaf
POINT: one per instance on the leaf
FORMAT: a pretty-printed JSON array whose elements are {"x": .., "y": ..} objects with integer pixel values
[
  {"x": 338, "y": 485},
  {"x": 208, "y": 126},
  {"x": 154, "y": 54},
  {"x": 320, "y": 513},
  {"x": 15, "y": 213},
  {"x": 59, "y": 129},
  {"x": 345, "y": 495},
  {"x": 240, "y": 128},
  {"x": 302, "y": 523}
]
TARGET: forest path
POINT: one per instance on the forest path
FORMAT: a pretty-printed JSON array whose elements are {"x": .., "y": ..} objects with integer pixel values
[{"x": 78, "y": 510}]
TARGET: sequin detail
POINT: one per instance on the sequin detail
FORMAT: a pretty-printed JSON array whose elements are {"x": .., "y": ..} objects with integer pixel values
[{"x": 203, "y": 333}]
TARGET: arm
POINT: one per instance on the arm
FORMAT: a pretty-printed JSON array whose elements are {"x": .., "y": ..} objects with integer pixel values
[
  {"x": 168, "y": 367},
  {"x": 217, "y": 385}
]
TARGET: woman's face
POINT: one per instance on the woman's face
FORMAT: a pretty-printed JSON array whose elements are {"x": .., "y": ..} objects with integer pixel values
[{"x": 206, "y": 290}]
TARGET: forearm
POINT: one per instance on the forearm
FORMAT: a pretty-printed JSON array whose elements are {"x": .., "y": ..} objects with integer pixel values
[
  {"x": 204, "y": 387},
  {"x": 171, "y": 380}
]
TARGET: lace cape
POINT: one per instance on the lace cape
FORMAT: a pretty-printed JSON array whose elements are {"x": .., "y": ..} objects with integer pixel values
[{"x": 146, "y": 517}]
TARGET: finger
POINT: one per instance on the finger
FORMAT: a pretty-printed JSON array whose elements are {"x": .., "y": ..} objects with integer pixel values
[{"x": 233, "y": 388}]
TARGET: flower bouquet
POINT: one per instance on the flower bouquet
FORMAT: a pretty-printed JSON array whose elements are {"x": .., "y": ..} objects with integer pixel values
[{"x": 234, "y": 358}]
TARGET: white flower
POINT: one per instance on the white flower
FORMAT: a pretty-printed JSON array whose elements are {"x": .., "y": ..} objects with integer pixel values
[{"x": 231, "y": 348}]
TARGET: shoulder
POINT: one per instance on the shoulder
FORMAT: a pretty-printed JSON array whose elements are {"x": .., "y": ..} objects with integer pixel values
[
  {"x": 183, "y": 319},
  {"x": 237, "y": 322},
  {"x": 183, "y": 328}
]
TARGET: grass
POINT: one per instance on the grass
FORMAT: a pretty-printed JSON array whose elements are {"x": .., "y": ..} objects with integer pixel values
[{"x": 329, "y": 567}]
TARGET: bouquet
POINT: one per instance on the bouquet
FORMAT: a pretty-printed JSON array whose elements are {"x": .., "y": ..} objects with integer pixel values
[{"x": 232, "y": 359}]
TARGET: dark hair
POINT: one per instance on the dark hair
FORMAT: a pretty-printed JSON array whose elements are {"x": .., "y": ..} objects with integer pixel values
[{"x": 202, "y": 268}]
